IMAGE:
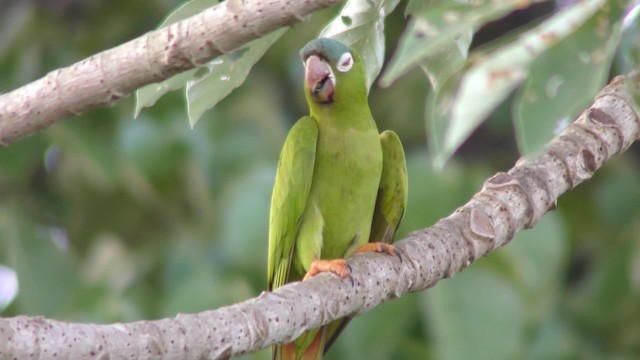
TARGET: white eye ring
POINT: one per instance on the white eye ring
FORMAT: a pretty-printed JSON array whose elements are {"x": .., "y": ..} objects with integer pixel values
[{"x": 345, "y": 63}]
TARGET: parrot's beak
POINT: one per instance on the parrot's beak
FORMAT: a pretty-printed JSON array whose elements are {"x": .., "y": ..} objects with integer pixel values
[{"x": 319, "y": 79}]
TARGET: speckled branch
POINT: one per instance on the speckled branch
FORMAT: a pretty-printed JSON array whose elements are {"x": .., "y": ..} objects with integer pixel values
[
  {"x": 507, "y": 203},
  {"x": 110, "y": 75}
]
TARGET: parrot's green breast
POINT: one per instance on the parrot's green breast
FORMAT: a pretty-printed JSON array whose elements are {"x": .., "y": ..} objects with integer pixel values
[
  {"x": 343, "y": 193},
  {"x": 339, "y": 183}
]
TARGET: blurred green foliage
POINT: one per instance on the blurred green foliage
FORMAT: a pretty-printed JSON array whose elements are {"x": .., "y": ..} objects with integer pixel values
[{"x": 106, "y": 218}]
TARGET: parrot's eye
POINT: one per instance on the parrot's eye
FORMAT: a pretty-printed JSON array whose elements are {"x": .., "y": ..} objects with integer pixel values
[{"x": 345, "y": 63}]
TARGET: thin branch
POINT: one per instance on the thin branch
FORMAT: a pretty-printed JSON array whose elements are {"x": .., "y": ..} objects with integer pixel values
[
  {"x": 507, "y": 203},
  {"x": 110, "y": 75}
]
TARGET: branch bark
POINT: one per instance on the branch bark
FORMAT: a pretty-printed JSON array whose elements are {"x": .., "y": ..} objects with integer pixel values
[
  {"x": 507, "y": 203},
  {"x": 110, "y": 75}
]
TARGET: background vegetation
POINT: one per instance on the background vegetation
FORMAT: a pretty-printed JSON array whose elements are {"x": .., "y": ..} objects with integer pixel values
[{"x": 105, "y": 218}]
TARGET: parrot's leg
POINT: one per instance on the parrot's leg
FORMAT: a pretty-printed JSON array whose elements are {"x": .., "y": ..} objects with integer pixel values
[
  {"x": 336, "y": 266},
  {"x": 379, "y": 247}
]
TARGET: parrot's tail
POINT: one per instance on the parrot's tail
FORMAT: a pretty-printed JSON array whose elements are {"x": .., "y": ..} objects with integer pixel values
[{"x": 314, "y": 351}]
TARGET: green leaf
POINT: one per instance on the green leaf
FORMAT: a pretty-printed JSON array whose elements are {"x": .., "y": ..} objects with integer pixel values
[
  {"x": 437, "y": 107},
  {"x": 209, "y": 84},
  {"x": 8, "y": 286},
  {"x": 225, "y": 73},
  {"x": 441, "y": 66},
  {"x": 362, "y": 339},
  {"x": 492, "y": 77},
  {"x": 445, "y": 192},
  {"x": 360, "y": 24},
  {"x": 148, "y": 95},
  {"x": 505, "y": 293},
  {"x": 437, "y": 27},
  {"x": 245, "y": 220},
  {"x": 629, "y": 50},
  {"x": 536, "y": 261},
  {"x": 187, "y": 266},
  {"x": 47, "y": 274},
  {"x": 607, "y": 292},
  {"x": 564, "y": 79},
  {"x": 618, "y": 197},
  {"x": 465, "y": 313},
  {"x": 556, "y": 340}
]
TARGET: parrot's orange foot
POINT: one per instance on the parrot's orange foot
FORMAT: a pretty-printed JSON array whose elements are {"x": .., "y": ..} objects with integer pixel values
[
  {"x": 336, "y": 266},
  {"x": 379, "y": 247}
]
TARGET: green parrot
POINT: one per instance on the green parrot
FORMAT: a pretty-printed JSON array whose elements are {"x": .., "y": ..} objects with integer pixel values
[{"x": 341, "y": 187}]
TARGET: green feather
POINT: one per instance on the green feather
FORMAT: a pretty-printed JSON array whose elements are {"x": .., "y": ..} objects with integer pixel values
[{"x": 339, "y": 183}]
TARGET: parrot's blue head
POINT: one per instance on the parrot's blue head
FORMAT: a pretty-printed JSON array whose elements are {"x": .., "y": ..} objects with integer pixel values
[{"x": 333, "y": 71}]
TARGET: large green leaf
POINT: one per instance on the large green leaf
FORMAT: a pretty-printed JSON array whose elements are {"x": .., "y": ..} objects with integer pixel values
[
  {"x": 8, "y": 286},
  {"x": 629, "y": 51},
  {"x": 507, "y": 293},
  {"x": 630, "y": 44},
  {"x": 225, "y": 73},
  {"x": 47, "y": 276},
  {"x": 494, "y": 76},
  {"x": 557, "y": 340},
  {"x": 148, "y": 95},
  {"x": 618, "y": 197},
  {"x": 450, "y": 60},
  {"x": 445, "y": 190},
  {"x": 564, "y": 79},
  {"x": 210, "y": 83},
  {"x": 186, "y": 267},
  {"x": 245, "y": 220},
  {"x": 437, "y": 26},
  {"x": 475, "y": 315},
  {"x": 364, "y": 339},
  {"x": 361, "y": 24},
  {"x": 535, "y": 262}
]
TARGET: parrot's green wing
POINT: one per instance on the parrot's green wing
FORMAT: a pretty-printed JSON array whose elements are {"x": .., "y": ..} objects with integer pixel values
[
  {"x": 390, "y": 205},
  {"x": 290, "y": 194},
  {"x": 393, "y": 190}
]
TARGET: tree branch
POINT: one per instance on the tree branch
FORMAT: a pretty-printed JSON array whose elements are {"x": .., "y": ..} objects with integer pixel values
[
  {"x": 110, "y": 75},
  {"x": 508, "y": 203}
]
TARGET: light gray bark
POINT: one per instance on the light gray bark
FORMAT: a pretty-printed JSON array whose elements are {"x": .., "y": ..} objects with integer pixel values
[{"x": 110, "y": 75}]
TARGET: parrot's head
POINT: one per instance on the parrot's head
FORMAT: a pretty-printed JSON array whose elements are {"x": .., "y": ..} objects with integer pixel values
[{"x": 333, "y": 72}]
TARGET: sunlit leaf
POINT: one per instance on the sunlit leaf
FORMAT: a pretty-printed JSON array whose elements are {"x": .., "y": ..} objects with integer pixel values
[
  {"x": 564, "y": 79},
  {"x": 361, "y": 24},
  {"x": 436, "y": 26},
  {"x": 437, "y": 107},
  {"x": 629, "y": 50},
  {"x": 225, "y": 73},
  {"x": 447, "y": 62},
  {"x": 148, "y": 95},
  {"x": 47, "y": 275},
  {"x": 494, "y": 76},
  {"x": 8, "y": 286}
]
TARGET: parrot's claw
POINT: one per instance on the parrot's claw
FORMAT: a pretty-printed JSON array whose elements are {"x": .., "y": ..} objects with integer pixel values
[
  {"x": 379, "y": 247},
  {"x": 336, "y": 266}
]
